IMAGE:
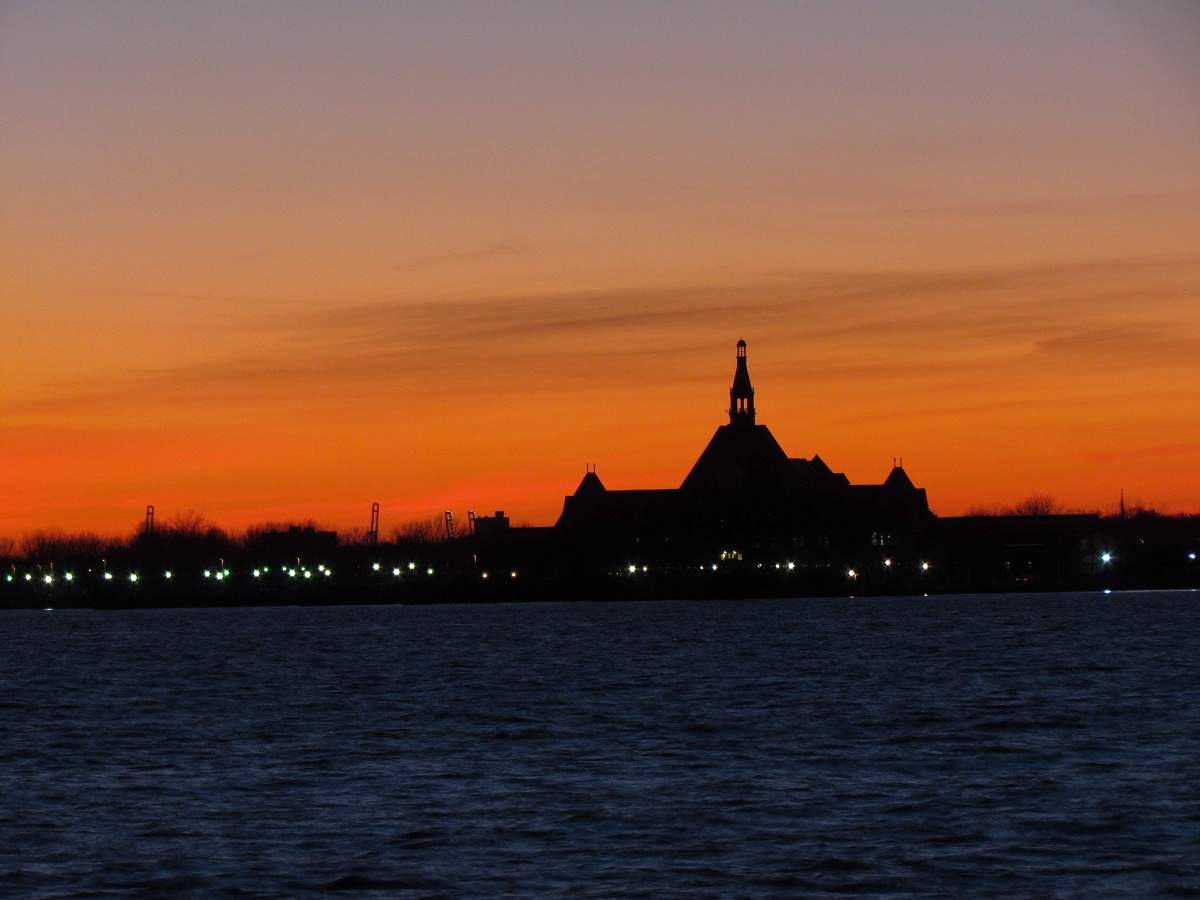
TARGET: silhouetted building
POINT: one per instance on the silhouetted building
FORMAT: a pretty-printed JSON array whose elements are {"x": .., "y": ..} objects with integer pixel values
[
  {"x": 305, "y": 542},
  {"x": 490, "y": 526},
  {"x": 1019, "y": 552},
  {"x": 745, "y": 494}
]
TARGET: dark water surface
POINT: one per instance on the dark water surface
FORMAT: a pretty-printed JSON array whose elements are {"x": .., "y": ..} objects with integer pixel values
[{"x": 967, "y": 746}]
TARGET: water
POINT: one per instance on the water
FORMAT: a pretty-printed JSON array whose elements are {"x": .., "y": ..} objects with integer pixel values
[{"x": 969, "y": 746}]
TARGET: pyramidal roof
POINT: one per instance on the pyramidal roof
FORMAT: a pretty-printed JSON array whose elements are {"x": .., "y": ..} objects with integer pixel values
[
  {"x": 898, "y": 478},
  {"x": 590, "y": 486},
  {"x": 738, "y": 458}
]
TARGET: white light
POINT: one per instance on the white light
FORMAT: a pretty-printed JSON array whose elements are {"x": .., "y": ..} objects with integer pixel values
[
  {"x": 1107, "y": 591},
  {"x": 328, "y": 572},
  {"x": 207, "y": 573},
  {"x": 429, "y": 571},
  {"x": 1106, "y": 557},
  {"x": 888, "y": 563},
  {"x": 645, "y": 568},
  {"x": 924, "y": 567},
  {"x": 375, "y": 567},
  {"x": 291, "y": 573},
  {"x": 167, "y": 575},
  {"x": 714, "y": 567},
  {"x": 412, "y": 566},
  {"x": 632, "y": 569},
  {"x": 1191, "y": 556},
  {"x": 778, "y": 566},
  {"x": 133, "y": 576},
  {"x": 791, "y": 566},
  {"x": 220, "y": 576},
  {"x": 396, "y": 571},
  {"x": 49, "y": 579},
  {"x": 70, "y": 576},
  {"x": 28, "y": 577},
  {"x": 512, "y": 574},
  {"x": 307, "y": 574},
  {"x": 484, "y": 576},
  {"x": 850, "y": 573},
  {"x": 108, "y": 576},
  {"x": 257, "y": 573},
  {"x": 321, "y": 567}
]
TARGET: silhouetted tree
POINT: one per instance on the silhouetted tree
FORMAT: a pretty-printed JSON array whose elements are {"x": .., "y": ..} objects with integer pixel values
[
  {"x": 420, "y": 531},
  {"x": 352, "y": 537},
  {"x": 1033, "y": 505},
  {"x": 187, "y": 523},
  {"x": 186, "y": 537},
  {"x": 1038, "y": 505},
  {"x": 59, "y": 546}
]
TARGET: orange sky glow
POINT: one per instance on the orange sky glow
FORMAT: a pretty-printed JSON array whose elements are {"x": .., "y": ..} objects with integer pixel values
[{"x": 278, "y": 261}]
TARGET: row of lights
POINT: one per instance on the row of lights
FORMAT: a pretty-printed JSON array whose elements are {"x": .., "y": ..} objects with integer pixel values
[
  {"x": 789, "y": 566},
  {"x": 222, "y": 574}
]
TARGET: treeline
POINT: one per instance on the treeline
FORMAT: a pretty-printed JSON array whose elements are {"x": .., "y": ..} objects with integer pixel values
[
  {"x": 1046, "y": 505},
  {"x": 190, "y": 536}
]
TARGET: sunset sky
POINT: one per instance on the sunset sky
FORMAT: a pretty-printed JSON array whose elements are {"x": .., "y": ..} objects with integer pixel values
[{"x": 280, "y": 260}]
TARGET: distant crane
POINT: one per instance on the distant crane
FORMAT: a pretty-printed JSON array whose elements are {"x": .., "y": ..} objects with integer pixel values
[
  {"x": 471, "y": 522},
  {"x": 149, "y": 518},
  {"x": 373, "y": 533},
  {"x": 449, "y": 525}
]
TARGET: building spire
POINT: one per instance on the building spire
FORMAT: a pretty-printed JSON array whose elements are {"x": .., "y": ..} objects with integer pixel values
[{"x": 741, "y": 395}]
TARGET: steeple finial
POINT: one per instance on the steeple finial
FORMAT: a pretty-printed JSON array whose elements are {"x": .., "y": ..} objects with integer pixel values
[{"x": 741, "y": 395}]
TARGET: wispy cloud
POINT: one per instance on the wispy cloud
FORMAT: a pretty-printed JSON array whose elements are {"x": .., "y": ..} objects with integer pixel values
[
  {"x": 836, "y": 325},
  {"x": 496, "y": 250}
]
